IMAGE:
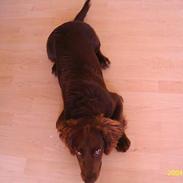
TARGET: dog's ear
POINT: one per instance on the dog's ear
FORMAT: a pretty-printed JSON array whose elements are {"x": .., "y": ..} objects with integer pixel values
[
  {"x": 111, "y": 130},
  {"x": 66, "y": 132}
]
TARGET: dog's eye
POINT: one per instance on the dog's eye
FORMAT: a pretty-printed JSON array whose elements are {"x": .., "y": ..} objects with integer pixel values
[
  {"x": 78, "y": 153},
  {"x": 97, "y": 152}
]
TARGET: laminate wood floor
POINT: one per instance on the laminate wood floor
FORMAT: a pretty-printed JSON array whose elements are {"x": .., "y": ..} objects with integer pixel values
[{"x": 144, "y": 41}]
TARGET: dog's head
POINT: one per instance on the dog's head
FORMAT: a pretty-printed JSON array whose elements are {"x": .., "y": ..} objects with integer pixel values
[{"x": 88, "y": 139}]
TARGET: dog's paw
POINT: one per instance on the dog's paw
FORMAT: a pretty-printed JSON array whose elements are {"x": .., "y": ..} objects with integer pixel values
[{"x": 123, "y": 144}]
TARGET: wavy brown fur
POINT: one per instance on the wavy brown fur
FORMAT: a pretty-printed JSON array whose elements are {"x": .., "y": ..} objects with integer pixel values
[
  {"x": 111, "y": 130},
  {"x": 92, "y": 121}
]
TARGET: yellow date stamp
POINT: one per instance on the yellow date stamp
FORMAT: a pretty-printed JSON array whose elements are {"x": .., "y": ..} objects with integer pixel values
[{"x": 175, "y": 172}]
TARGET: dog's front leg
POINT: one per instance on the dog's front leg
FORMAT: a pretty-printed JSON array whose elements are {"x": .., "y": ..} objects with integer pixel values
[
  {"x": 117, "y": 101},
  {"x": 123, "y": 143}
]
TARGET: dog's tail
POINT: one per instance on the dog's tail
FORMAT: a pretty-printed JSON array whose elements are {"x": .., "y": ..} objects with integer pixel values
[{"x": 82, "y": 14}]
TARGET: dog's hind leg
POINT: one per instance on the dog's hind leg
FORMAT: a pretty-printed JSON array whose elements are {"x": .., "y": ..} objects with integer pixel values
[
  {"x": 50, "y": 48},
  {"x": 51, "y": 52},
  {"x": 104, "y": 61},
  {"x": 55, "y": 70},
  {"x": 60, "y": 120}
]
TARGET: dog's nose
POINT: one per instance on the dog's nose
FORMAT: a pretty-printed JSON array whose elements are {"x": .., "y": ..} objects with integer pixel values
[{"x": 90, "y": 179}]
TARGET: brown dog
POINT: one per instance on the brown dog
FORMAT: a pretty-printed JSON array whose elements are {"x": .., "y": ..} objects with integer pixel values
[{"x": 92, "y": 122}]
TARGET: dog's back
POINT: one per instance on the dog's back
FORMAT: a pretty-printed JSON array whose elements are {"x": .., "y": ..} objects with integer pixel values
[{"x": 72, "y": 47}]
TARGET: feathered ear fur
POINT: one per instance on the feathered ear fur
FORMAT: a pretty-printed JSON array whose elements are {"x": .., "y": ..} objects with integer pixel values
[
  {"x": 112, "y": 130},
  {"x": 66, "y": 130}
]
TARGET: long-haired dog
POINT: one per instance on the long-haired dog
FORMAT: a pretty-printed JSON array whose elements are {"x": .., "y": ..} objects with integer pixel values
[{"x": 92, "y": 121}]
